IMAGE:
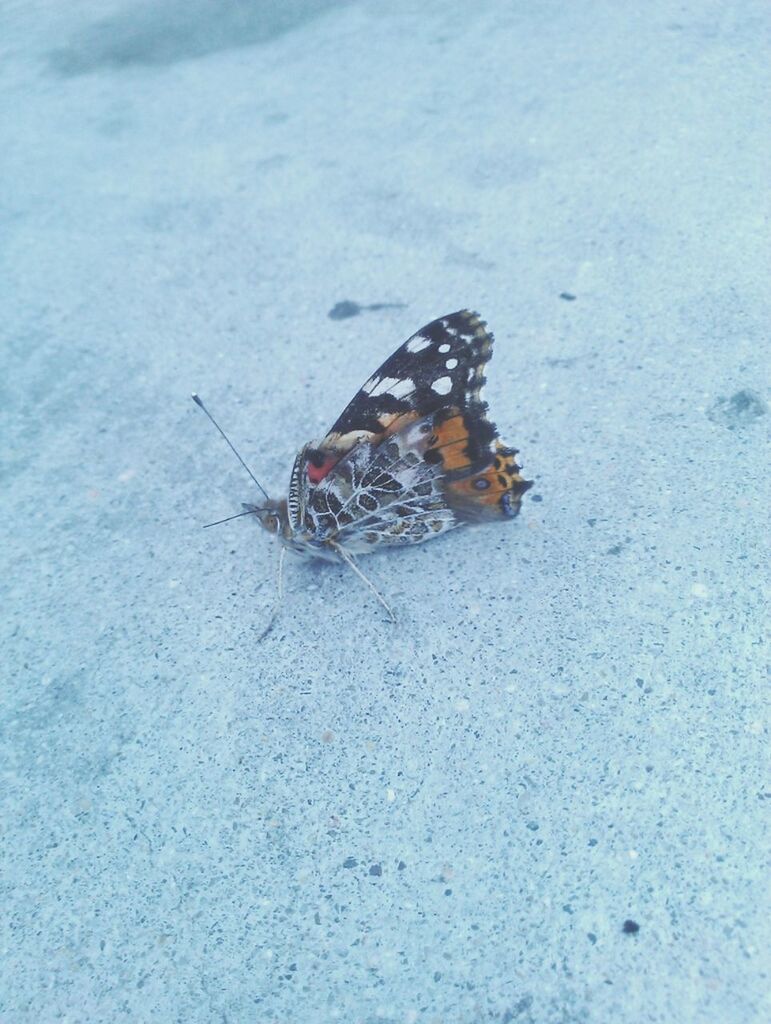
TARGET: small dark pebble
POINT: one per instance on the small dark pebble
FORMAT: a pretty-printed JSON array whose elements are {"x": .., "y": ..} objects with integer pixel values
[
  {"x": 350, "y": 862},
  {"x": 401, "y": 866},
  {"x": 630, "y": 927},
  {"x": 376, "y": 870},
  {"x": 567, "y": 296},
  {"x": 536, "y": 497},
  {"x": 591, "y": 937},
  {"x": 344, "y": 310}
]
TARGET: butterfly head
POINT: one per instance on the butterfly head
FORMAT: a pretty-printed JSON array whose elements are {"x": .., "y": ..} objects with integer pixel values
[{"x": 272, "y": 515}]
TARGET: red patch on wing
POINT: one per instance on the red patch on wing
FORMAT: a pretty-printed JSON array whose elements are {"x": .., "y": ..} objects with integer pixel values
[{"x": 317, "y": 473}]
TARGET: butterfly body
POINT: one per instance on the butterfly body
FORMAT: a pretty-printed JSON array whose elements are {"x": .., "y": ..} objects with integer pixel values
[{"x": 411, "y": 457}]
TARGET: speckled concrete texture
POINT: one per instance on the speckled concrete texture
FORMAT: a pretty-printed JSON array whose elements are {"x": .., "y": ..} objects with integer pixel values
[{"x": 539, "y": 798}]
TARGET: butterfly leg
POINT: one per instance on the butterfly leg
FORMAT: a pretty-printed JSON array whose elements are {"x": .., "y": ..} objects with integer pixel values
[
  {"x": 280, "y": 577},
  {"x": 279, "y": 595},
  {"x": 348, "y": 559}
]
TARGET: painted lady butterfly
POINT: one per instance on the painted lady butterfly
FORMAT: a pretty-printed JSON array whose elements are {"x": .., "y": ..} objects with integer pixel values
[{"x": 412, "y": 456}]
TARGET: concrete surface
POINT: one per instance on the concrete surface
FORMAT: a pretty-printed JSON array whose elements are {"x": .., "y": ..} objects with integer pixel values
[{"x": 448, "y": 821}]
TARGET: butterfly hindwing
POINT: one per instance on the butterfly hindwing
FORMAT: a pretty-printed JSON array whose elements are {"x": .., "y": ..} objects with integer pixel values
[
  {"x": 383, "y": 492},
  {"x": 493, "y": 492}
]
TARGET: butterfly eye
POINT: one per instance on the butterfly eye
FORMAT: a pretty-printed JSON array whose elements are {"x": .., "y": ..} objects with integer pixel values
[{"x": 270, "y": 522}]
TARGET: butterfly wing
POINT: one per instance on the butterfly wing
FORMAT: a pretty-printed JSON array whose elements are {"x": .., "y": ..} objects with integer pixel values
[
  {"x": 440, "y": 365},
  {"x": 413, "y": 453}
]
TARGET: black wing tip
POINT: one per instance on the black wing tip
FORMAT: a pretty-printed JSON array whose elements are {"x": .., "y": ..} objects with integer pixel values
[
  {"x": 470, "y": 316},
  {"x": 483, "y": 336}
]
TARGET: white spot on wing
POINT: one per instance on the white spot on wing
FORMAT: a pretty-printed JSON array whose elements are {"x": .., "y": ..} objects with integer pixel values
[
  {"x": 389, "y": 386},
  {"x": 444, "y": 348},
  {"x": 403, "y": 387},
  {"x": 417, "y": 344},
  {"x": 442, "y": 386},
  {"x": 451, "y": 364},
  {"x": 379, "y": 385}
]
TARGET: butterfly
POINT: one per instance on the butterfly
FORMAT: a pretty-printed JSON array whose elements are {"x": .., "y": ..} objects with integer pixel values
[{"x": 411, "y": 457}]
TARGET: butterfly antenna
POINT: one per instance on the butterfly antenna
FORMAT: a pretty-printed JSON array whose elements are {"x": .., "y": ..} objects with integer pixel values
[
  {"x": 199, "y": 403},
  {"x": 249, "y": 512}
]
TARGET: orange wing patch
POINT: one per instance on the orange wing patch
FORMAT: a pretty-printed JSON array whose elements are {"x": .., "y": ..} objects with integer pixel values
[
  {"x": 494, "y": 491},
  {"x": 449, "y": 442}
]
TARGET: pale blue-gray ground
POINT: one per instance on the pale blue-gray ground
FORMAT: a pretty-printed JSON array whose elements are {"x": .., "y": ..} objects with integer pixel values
[{"x": 447, "y": 821}]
